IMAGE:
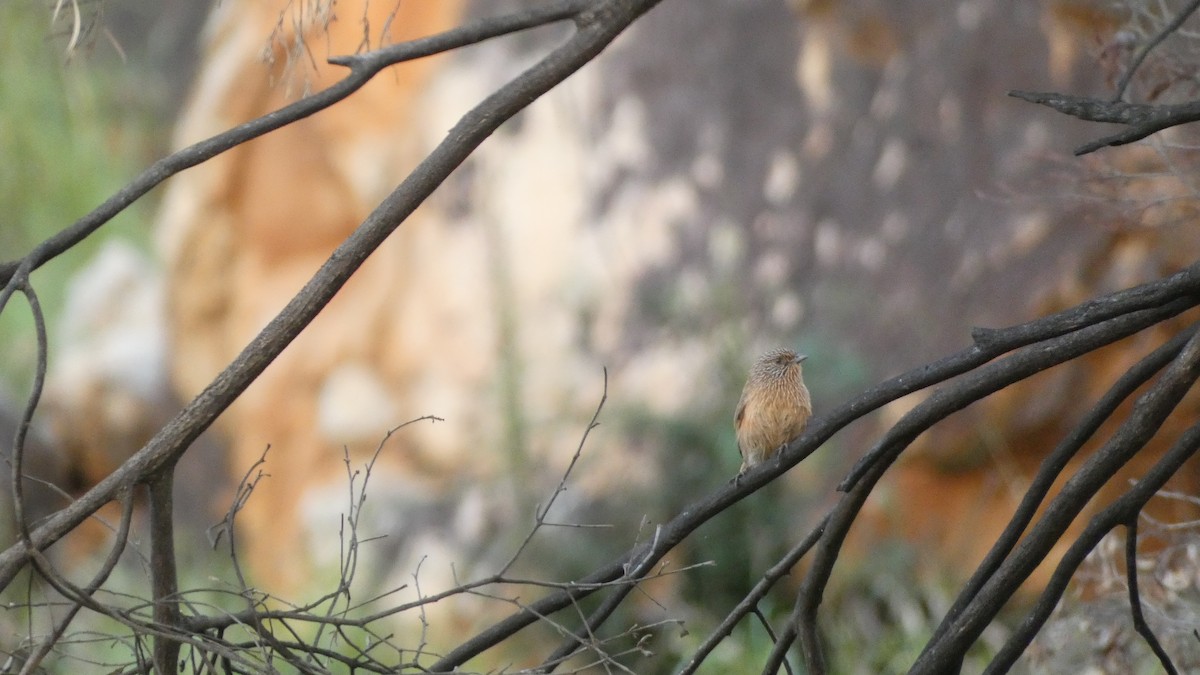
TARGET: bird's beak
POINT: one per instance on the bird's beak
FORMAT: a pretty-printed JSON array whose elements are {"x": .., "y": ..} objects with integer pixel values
[{"x": 800, "y": 358}]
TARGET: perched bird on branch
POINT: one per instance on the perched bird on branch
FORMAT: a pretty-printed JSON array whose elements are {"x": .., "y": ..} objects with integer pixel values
[{"x": 774, "y": 407}]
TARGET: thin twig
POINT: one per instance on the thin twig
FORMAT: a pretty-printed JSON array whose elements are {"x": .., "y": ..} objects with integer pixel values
[
  {"x": 106, "y": 569},
  {"x": 31, "y": 404},
  {"x": 599, "y": 23},
  {"x": 771, "y": 634},
  {"x": 756, "y": 594},
  {"x": 1135, "y": 599},
  {"x": 1154, "y": 42},
  {"x": 540, "y": 512}
]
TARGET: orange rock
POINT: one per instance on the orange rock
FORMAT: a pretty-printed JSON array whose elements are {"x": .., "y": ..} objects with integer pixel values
[{"x": 243, "y": 232}]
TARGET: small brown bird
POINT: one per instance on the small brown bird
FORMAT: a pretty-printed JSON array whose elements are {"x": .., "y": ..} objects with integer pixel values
[{"x": 774, "y": 407}]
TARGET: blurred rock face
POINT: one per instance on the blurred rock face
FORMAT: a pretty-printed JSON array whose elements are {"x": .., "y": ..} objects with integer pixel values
[
  {"x": 45, "y": 470},
  {"x": 108, "y": 391},
  {"x": 824, "y": 175},
  {"x": 241, "y": 234}
]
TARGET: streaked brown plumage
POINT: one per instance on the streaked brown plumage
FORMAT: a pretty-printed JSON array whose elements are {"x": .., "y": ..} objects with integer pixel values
[{"x": 774, "y": 407}]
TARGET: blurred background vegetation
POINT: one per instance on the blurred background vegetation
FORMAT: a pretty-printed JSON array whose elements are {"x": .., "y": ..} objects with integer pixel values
[
  {"x": 80, "y": 119},
  {"x": 79, "y": 122}
]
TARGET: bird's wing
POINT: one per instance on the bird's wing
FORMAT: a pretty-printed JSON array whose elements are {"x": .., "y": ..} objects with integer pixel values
[{"x": 738, "y": 418}]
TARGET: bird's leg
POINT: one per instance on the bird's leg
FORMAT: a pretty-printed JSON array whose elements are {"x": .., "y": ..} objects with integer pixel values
[{"x": 741, "y": 472}]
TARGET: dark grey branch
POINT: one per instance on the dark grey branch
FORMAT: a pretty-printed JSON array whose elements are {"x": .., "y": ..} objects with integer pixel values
[
  {"x": 1135, "y": 598},
  {"x": 993, "y": 342},
  {"x": 363, "y": 67},
  {"x": 1148, "y": 414},
  {"x": 110, "y": 564},
  {"x": 31, "y": 403},
  {"x": 1140, "y": 119},
  {"x": 1149, "y": 303},
  {"x": 598, "y": 24},
  {"x": 1126, "y": 507},
  {"x": 942, "y": 403},
  {"x": 750, "y": 602},
  {"x": 163, "y": 576},
  {"x": 1038, "y": 344},
  {"x": 1052, "y": 466}
]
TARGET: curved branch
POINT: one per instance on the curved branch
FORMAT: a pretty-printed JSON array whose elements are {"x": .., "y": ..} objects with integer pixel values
[
  {"x": 1148, "y": 414},
  {"x": 110, "y": 564},
  {"x": 749, "y": 603},
  {"x": 363, "y": 67},
  {"x": 31, "y": 404},
  {"x": 599, "y": 24},
  {"x": 1135, "y": 599},
  {"x": 1150, "y": 303},
  {"x": 1154, "y": 42},
  {"x": 1124, "y": 508},
  {"x": 942, "y": 403},
  {"x": 1052, "y": 466},
  {"x": 990, "y": 342}
]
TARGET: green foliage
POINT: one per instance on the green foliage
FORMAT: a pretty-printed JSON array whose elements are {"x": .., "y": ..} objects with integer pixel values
[
  {"x": 71, "y": 134},
  {"x": 879, "y": 614}
]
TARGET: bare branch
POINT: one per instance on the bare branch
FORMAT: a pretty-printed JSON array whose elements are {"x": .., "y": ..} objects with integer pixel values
[
  {"x": 771, "y": 634},
  {"x": 110, "y": 563},
  {"x": 1052, "y": 466},
  {"x": 164, "y": 579},
  {"x": 598, "y": 25},
  {"x": 540, "y": 512},
  {"x": 749, "y": 603},
  {"x": 1154, "y": 42},
  {"x": 1148, "y": 414},
  {"x": 172, "y": 620},
  {"x": 363, "y": 67},
  {"x": 1135, "y": 600},
  {"x": 992, "y": 343},
  {"x": 1128, "y": 505},
  {"x": 1128, "y": 311},
  {"x": 1141, "y": 119},
  {"x": 35, "y": 396}
]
